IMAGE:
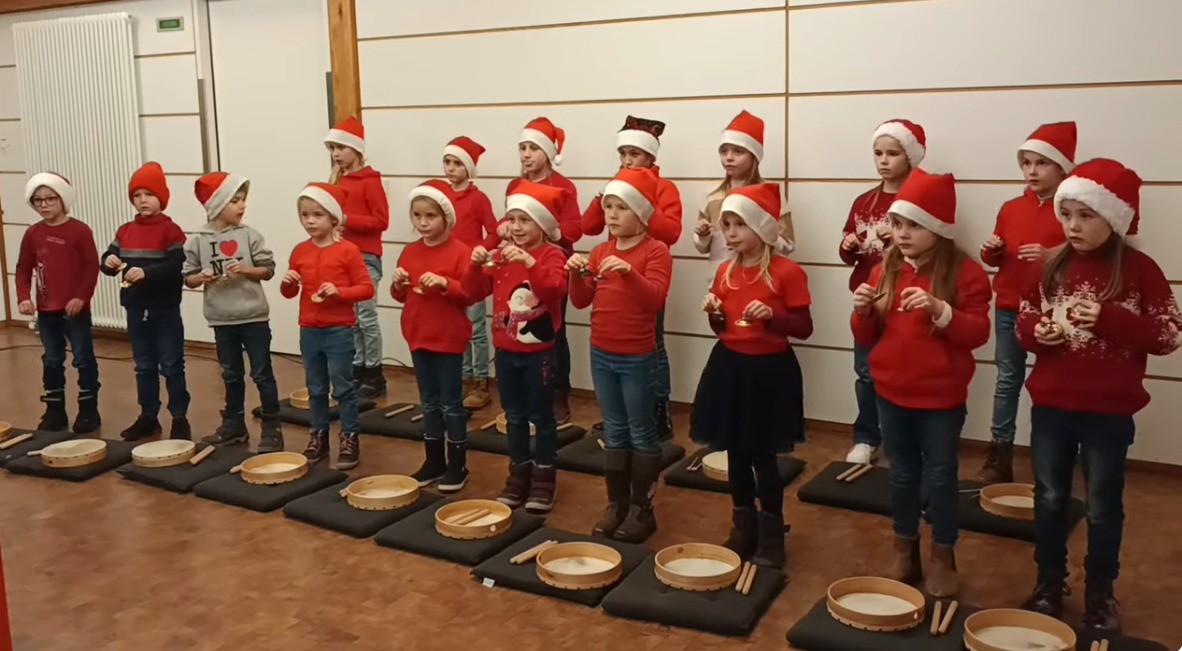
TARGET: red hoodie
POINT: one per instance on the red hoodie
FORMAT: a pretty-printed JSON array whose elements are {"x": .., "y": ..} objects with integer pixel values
[
  {"x": 367, "y": 210},
  {"x": 1022, "y": 220},
  {"x": 474, "y": 214},
  {"x": 527, "y": 303},
  {"x": 434, "y": 320},
  {"x": 664, "y": 225},
  {"x": 569, "y": 222},
  {"x": 340, "y": 264}
]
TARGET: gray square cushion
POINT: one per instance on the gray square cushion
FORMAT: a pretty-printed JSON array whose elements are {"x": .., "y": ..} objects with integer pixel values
[
  {"x": 183, "y": 477},
  {"x": 231, "y": 489},
  {"x": 118, "y": 454},
  {"x": 327, "y": 509},
  {"x": 39, "y": 440},
  {"x": 587, "y": 457},
  {"x": 679, "y": 475},
  {"x": 417, "y": 534}
]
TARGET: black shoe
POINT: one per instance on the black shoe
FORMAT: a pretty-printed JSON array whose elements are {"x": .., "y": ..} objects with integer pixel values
[
  {"x": 456, "y": 476},
  {"x": 272, "y": 437},
  {"x": 144, "y": 427},
  {"x": 434, "y": 464},
  {"x": 55, "y": 418},
  {"x": 769, "y": 545},
  {"x": 744, "y": 532},
  {"x": 1047, "y": 598},
  {"x": 350, "y": 452},
  {"x": 182, "y": 431},
  {"x": 232, "y": 431},
  {"x": 317, "y": 449},
  {"x": 372, "y": 384},
  {"x": 1101, "y": 609},
  {"x": 664, "y": 420},
  {"x": 88, "y": 419}
]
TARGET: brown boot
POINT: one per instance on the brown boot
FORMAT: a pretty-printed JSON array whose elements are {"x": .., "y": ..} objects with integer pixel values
[
  {"x": 999, "y": 465},
  {"x": 478, "y": 395},
  {"x": 942, "y": 580},
  {"x": 906, "y": 566},
  {"x": 617, "y": 467},
  {"x": 641, "y": 521}
]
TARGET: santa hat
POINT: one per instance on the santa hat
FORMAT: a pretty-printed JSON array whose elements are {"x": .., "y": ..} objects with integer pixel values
[
  {"x": 150, "y": 177},
  {"x": 642, "y": 134},
  {"x": 1107, "y": 187},
  {"x": 56, "y": 182},
  {"x": 330, "y": 197},
  {"x": 745, "y": 131},
  {"x": 468, "y": 152},
  {"x": 542, "y": 203},
  {"x": 216, "y": 190},
  {"x": 1055, "y": 142},
  {"x": 759, "y": 207},
  {"x": 909, "y": 134},
  {"x": 637, "y": 188},
  {"x": 441, "y": 193},
  {"x": 928, "y": 200},
  {"x": 543, "y": 133},
  {"x": 349, "y": 133}
]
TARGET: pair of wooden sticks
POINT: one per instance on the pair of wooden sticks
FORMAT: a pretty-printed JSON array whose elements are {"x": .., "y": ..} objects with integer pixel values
[
  {"x": 20, "y": 438},
  {"x": 746, "y": 578},
  {"x": 532, "y": 553},
  {"x": 1099, "y": 645},
  {"x": 940, "y": 627},
  {"x": 200, "y": 456},
  {"x": 468, "y": 517},
  {"x": 854, "y": 472}
]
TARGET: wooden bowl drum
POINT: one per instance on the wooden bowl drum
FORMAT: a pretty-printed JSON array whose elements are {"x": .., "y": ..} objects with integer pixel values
[
  {"x": 382, "y": 492},
  {"x": 299, "y": 399},
  {"x": 876, "y": 604},
  {"x": 579, "y": 566},
  {"x": 1016, "y": 630},
  {"x": 698, "y": 567},
  {"x": 272, "y": 468},
  {"x": 162, "y": 454},
  {"x": 473, "y": 519},
  {"x": 503, "y": 425},
  {"x": 72, "y": 454},
  {"x": 1009, "y": 500},
  {"x": 714, "y": 466},
  {"x": 5, "y": 430}
]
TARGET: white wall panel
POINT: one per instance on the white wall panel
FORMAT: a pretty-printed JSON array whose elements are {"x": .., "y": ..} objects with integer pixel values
[
  {"x": 193, "y": 316},
  {"x": 390, "y": 254},
  {"x": 1157, "y": 424},
  {"x": 809, "y": 4},
  {"x": 687, "y": 358},
  {"x": 836, "y": 49},
  {"x": 188, "y": 213},
  {"x": 143, "y": 12},
  {"x": 12, "y": 146},
  {"x": 12, "y": 199},
  {"x": 167, "y": 85},
  {"x": 579, "y": 63},
  {"x": 10, "y": 98},
  {"x": 13, "y": 234},
  {"x": 174, "y": 142},
  {"x": 12, "y": 302}
]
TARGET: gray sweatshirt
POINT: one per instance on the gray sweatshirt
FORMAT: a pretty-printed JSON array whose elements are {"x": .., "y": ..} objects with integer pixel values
[{"x": 230, "y": 300}]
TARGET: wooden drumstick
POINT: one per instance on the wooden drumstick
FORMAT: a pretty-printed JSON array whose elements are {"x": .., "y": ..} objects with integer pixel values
[
  {"x": 742, "y": 576},
  {"x": 200, "y": 456},
  {"x": 344, "y": 492},
  {"x": 460, "y": 516},
  {"x": 532, "y": 553},
  {"x": 936, "y": 618},
  {"x": 849, "y": 471},
  {"x": 1095, "y": 646},
  {"x": 472, "y": 517},
  {"x": 401, "y": 410},
  {"x": 416, "y": 418},
  {"x": 21, "y": 438},
  {"x": 34, "y": 453},
  {"x": 1104, "y": 645},
  {"x": 865, "y": 469},
  {"x": 948, "y": 615},
  {"x": 565, "y": 426},
  {"x": 489, "y": 425},
  {"x": 602, "y": 445},
  {"x": 750, "y": 580}
]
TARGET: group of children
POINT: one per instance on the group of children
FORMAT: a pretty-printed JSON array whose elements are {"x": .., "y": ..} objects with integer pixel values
[{"x": 1070, "y": 289}]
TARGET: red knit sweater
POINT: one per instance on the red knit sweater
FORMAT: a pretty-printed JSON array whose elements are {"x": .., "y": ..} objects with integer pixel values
[
  {"x": 916, "y": 364},
  {"x": 1100, "y": 370},
  {"x": 64, "y": 261},
  {"x": 435, "y": 321},
  {"x": 340, "y": 264},
  {"x": 1022, "y": 220},
  {"x": 664, "y": 225},
  {"x": 527, "y": 303},
  {"x": 569, "y": 222},
  {"x": 789, "y": 293},
  {"x": 367, "y": 210},
  {"x": 867, "y": 214},
  {"x": 475, "y": 221},
  {"x": 624, "y": 307}
]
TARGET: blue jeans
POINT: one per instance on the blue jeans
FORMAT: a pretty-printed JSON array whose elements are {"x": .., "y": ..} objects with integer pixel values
[
  {"x": 525, "y": 382},
  {"x": 328, "y": 359},
  {"x": 866, "y": 428},
  {"x": 661, "y": 380},
  {"x": 367, "y": 334},
  {"x": 1011, "y": 373},
  {"x": 57, "y": 330},
  {"x": 1101, "y": 441},
  {"x": 921, "y": 445},
  {"x": 441, "y": 390},
  {"x": 158, "y": 347},
  {"x": 255, "y": 340},
  {"x": 624, "y": 388},
  {"x": 476, "y": 355}
]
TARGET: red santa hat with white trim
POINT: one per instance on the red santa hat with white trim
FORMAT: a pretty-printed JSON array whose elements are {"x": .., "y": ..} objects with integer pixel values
[
  {"x": 1055, "y": 142},
  {"x": 637, "y": 188},
  {"x": 349, "y": 133},
  {"x": 467, "y": 151},
  {"x": 909, "y": 134},
  {"x": 56, "y": 182},
  {"x": 759, "y": 206},
  {"x": 746, "y": 131},
  {"x": 928, "y": 200},
  {"x": 441, "y": 193},
  {"x": 549, "y": 138},
  {"x": 1112, "y": 190},
  {"x": 330, "y": 197},
  {"x": 642, "y": 134},
  {"x": 542, "y": 203},
  {"x": 216, "y": 190}
]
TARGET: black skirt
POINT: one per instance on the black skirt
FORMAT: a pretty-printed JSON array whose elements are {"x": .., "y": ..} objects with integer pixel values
[{"x": 749, "y": 404}]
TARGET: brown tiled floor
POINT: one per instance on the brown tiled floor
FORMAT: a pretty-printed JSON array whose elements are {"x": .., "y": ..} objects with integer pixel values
[{"x": 115, "y": 565}]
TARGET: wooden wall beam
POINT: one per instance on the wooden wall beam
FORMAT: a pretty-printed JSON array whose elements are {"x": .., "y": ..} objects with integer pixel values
[
  {"x": 14, "y": 6},
  {"x": 342, "y": 42}
]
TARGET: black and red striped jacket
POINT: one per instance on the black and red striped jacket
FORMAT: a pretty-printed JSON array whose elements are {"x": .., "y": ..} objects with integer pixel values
[{"x": 155, "y": 244}]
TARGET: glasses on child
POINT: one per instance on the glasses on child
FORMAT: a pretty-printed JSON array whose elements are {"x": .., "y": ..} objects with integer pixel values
[{"x": 45, "y": 201}]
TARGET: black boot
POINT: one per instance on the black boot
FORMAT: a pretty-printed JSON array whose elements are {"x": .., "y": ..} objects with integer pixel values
[
  {"x": 231, "y": 432},
  {"x": 272, "y": 437},
  {"x": 455, "y": 477},
  {"x": 641, "y": 522},
  {"x": 741, "y": 539},
  {"x": 1047, "y": 598},
  {"x": 434, "y": 463},
  {"x": 317, "y": 449},
  {"x": 664, "y": 420},
  {"x": 55, "y": 418},
  {"x": 372, "y": 384},
  {"x": 1101, "y": 609},
  {"x": 349, "y": 454},
  {"x": 769, "y": 547},
  {"x": 88, "y": 419},
  {"x": 617, "y": 473},
  {"x": 143, "y": 427},
  {"x": 183, "y": 431}
]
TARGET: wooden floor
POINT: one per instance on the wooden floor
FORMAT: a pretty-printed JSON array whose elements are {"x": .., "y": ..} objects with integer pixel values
[{"x": 114, "y": 565}]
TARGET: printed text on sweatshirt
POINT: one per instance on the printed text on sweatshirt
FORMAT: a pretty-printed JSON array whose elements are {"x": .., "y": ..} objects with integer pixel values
[
  {"x": 435, "y": 320},
  {"x": 155, "y": 244},
  {"x": 339, "y": 263},
  {"x": 624, "y": 307},
  {"x": 231, "y": 299},
  {"x": 64, "y": 262}
]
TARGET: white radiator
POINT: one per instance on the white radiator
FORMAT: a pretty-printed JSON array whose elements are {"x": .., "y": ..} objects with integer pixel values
[{"x": 80, "y": 114}]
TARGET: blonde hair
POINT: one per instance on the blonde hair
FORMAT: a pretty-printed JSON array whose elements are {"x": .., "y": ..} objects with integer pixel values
[
  {"x": 334, "y": 177},
  {"x": 1113, "y": 250},
  {"x": 945, "y": 262},
  {"x": 753, "y": 178},
  {"x": 433, "y": 203},
  {"x": 765, "y": 263}
]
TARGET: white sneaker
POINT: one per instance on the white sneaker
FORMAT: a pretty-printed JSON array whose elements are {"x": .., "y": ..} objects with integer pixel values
[{"x": 862, "y": 453}]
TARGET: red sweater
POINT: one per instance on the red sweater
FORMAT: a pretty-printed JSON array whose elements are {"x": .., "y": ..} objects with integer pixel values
[
  {"x": 527, "y": 303},
  {"x": 1022, "y": 220},
  {"x": 664, "y": 225},
  {"x": 789, "y": 295},
  {"x": 435, "y": 321},
  {"x": 1100, "y": 371},
  {"x": 474, "y": 215},
  {"x": 915, "y": 363},
  {"x": 340, "y": 264},
  {"x": 624, "y": 307},
  {"x": 569, "y": 221},
  {"x": 64, "y": 261},
  {"x": 367, "y": 210},
  {"x": 867, "y": 214}
]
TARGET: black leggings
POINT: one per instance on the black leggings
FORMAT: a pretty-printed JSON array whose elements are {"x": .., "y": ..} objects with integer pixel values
[{"x": 765, "y": 479}]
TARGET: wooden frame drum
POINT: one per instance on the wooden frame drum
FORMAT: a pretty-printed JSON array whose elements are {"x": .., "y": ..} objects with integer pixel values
[
  {"x": 503, "y": 425},
  {"x": 1014, "y": 501},
  {"x": 714, "y": 466},
  {"x": 300, "y": 400},
  {"x": 272, "y": 468},
  {"x": 163, "y": 454},
  {"x": 382, "y": 492},
  {"x": 473, "y": 519},
  {"x": 579, "y": 566},
  {"x": 72, "y": 454},
  {"x": 872, "y": 603},
  {"x": 698, "y": 567},
  {"x": 1006, "y": 629},
  {"x": 5, "y": 430}
]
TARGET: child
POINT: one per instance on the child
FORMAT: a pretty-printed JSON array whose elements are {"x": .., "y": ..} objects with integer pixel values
[
  {"x": 923, "y": 311},
  {"x": 1026, "y": 232},
  {"x": 1091, "y": 318},
  {"x": 149, "y": 252},
  {"x": 329, "y": 276},
  {"x": 60, "y": 254},
  {"x": 475, "y": 224},
  {"x": 369, "y": 217},
  {"x": 626, "y": 281},
  {"x": 437, "y": 330},
  {"x": 527, "y": 280},
  {"x": 540, "y": 148},
  {"x": 230, "y": 261},
  {"x": 750, "y": 399},
  {"x": 638, "y": 143},
  {"x": 899, "y": 147}
]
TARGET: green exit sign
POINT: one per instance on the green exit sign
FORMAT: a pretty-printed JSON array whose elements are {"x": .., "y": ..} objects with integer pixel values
[{"x": 170, "y": 24}]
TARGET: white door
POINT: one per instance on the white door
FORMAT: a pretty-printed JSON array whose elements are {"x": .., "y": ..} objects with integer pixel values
[{"x": 270, "y": 58}]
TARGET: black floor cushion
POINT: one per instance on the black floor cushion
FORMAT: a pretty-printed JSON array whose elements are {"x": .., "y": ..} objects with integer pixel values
[
  {"x": 524, "y": 577},
  {"x": 327, "y": 509},
  {"x": 587, "y": 456},
  {"x": 726, "y": 612},
  {"x": 39, "y": 440},
  {"x": 417, "y": 534},
  {"x": 296, "y": 416},
  {"x": 118, "y": 453},
  {"x": 400, "y": 426},
  {"x": 231, "y": 489},
  {"x": 975, "y": 518},
  {"x": 870, "y": 493},
  {"x": 183, "y": 477},
  {"x": 679, "y": 475},
  {"x": 1084, "y": 641},
  {"x": 492, "y": 441}
]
